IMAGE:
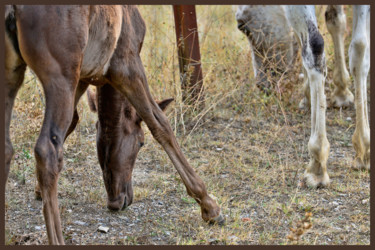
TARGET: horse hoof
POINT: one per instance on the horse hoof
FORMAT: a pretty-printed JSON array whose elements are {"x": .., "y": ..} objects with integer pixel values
[
  {"x": 316, "y": 181},
  {"x": 360, "y": 165}
]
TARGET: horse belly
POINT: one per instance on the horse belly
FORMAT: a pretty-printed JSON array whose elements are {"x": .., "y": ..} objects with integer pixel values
[
  {"x": 268, "y": 24},
  {"x": 104, "y": 32}
]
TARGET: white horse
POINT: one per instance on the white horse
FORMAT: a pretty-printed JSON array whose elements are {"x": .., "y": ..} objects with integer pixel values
[{"x": 266, "y": 26}]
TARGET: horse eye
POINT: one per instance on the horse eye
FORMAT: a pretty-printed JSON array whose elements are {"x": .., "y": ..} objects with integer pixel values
[{"x": 141, "y": 144}]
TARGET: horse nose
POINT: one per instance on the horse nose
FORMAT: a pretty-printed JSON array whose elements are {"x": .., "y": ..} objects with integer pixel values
[
  {"x": 113, "y": 207},
  {"x": 116, "y": 205}
]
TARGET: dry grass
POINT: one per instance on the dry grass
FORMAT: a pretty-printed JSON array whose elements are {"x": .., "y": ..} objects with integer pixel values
[{"x": 250, "y": 150}]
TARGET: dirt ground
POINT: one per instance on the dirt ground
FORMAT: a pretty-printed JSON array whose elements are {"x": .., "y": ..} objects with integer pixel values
[
  {"x": 250, "y": 150},
  {"x": 252, "y": 167}
]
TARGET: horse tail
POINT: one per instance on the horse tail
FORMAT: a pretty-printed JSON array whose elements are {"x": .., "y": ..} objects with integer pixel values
[{"x": 11, "y": 27}]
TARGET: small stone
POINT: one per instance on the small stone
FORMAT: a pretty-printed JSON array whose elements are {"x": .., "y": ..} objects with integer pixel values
[
  {"x": 80, "y": 223},
  {"x": 232, "y": 238},
  {"x": 103, "y": 229},
  {"x": 365, "y": 201},
  {"x": 349, "y": 119},
  {"x": 335, "y": 203},
  {"x": 213, "y": 197},
  {"x": 213, "y": 240}
]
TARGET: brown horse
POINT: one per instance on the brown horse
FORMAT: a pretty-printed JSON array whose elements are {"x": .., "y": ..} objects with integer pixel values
[{"x": 69, "y": 48}]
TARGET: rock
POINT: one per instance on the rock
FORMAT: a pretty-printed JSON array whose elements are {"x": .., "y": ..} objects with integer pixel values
[
  {"x": 103, "y": 229},
  {"x": 232, "y": 238},
  {"x": 80, "y": 223},
  {"x": 213, "y": 240},
  {"x": 338, "y": 208},
  {"x": 213, "y": 197},
  {"x": 365, "y": 201},
  {"x": 334, "y": 203}
]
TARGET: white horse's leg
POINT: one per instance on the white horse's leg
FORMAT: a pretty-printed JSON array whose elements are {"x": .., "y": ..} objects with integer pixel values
[
  {"x": 359, "y": 64},
  {"x": 303, "y": 21},
  {"x": 336, "y": 25}
]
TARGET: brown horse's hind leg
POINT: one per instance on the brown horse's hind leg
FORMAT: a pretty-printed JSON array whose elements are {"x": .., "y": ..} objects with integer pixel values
[
  {"x": 14, "y": 73},
  {"x": 127, "y": 76},
  {"x": 81, "y": 88},
  {"x": 59, "y": 82},
  {"x": 49, "y": 149}
]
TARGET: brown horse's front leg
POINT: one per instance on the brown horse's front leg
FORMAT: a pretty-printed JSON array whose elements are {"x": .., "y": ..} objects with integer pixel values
[
  {"x": 81, "y": 88},
  {"x": 127, "y": 76}
]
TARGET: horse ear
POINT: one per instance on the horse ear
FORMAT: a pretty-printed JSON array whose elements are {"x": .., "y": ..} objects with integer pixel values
[{"x": 164, "y": 104}]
